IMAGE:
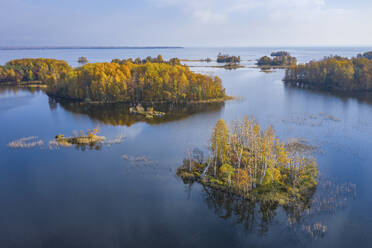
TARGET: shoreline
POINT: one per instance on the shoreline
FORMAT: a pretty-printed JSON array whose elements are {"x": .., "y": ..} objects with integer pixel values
[
  {"x": 258, "y": 194},
  {"x": 25, "y": 83},
  {"x": 223, "y": 99},
  {"x": 300, "y": 85}
]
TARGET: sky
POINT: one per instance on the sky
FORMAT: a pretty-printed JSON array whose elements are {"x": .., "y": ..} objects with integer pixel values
[{"x": 189, "y": 23}]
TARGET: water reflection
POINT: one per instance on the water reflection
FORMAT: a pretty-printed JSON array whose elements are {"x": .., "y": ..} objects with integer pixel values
[
  {"x": 362, "y": 97},
  {"x": 254, "y": 215},
  {"x": 53, "y": 144},
  {"x": 20, "y": 89},
  {"x": 302, "y": 216},
  {"x": 118, "y": 114}
]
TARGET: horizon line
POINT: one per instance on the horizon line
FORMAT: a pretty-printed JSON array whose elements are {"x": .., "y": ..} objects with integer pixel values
[
  {"x": 86, "y": 47},
  {"x": 171, "y": 47}
]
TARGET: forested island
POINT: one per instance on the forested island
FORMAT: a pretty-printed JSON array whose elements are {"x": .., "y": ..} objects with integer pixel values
[
  {"x": 252, "y": 163},
  {"x": 82, "y": 60},
  {"x": 131, "y": 81},
  {"x": 225, "y": 58},
  {"x": 277, "y": 59},
  {"x": 333, "y": 73},
  {"x": 89, "y": 139},
  {"x": 231, "y": 62}
]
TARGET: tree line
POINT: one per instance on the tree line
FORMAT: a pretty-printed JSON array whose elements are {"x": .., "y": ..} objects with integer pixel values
[
  {"x": 333, "y": 73},
  {"x": 136, "y": 83},
  {"x": 33, "y": 70},
  {"x": 149, "y": 59},
  {"x": 247, "y": 159},
  {"x": 117, "y": 82}
]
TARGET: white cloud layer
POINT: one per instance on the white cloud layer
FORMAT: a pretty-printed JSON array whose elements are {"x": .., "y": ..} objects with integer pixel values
[
  {"x": 279, "y": 22},
  {"x": 186, "y": 22}
]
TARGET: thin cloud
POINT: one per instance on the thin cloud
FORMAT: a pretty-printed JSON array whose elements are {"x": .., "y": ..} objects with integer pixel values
[{"x": 186, "y": 22}]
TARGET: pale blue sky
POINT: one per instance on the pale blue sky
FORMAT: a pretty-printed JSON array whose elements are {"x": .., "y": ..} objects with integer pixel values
[{"x": 186, "y": 22}]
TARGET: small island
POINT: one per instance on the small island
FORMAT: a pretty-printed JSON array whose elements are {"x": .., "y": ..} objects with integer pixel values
[
  {"x": 148, "y": 112},
  {"x": 225, "y": 58},
  {"x": 280, "y": 59},
  {"x": 89, "y": 139},
  {"x": 333, "y": 73},
  {"x": 251, "y": 163},
  {"x": 82, "y": 60},
  {"x": 231, "y": 62}
]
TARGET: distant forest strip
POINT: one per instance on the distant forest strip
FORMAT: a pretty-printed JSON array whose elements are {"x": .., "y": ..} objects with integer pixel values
[
  {"x": 333, "y": 73},
  {"x": 88, "y": 47},
  {"x": 132, "y": 81}
]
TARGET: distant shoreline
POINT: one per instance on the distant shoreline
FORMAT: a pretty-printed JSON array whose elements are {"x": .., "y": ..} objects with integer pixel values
[{"x": 89, "y": 47}]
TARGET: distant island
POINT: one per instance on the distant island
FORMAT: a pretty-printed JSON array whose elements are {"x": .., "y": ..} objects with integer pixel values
[
  {"x": 277, "y": 59},
  {"x": 225, "y": 58},
  {"x": 231, "y": 62},
  {"x": 252, "y": 163},
  {"x": 82, "y": 60},
  {"x": 138, "y": 81},
  {"x": 333, "y": 73}
]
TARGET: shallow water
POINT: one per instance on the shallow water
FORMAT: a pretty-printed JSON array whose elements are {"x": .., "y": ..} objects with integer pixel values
[{"x": 71, "y": 197}]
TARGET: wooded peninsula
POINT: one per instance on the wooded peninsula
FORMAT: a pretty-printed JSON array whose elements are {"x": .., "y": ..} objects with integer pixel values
[
  {"x": 333, "y": 73},
  {"x": 131, "y": 81},
  {"x": 252, "y": 163}
]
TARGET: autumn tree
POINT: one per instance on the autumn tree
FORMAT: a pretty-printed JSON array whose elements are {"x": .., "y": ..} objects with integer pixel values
[
  {"x": 249, "y": 158},
  {"x": 155, "y": 80},
  {"x": 220, "y": 144},
  {"x": 334, "y": 73},
  {"x": 225, "y": 58},
  {"x": 281, "y": 58}
]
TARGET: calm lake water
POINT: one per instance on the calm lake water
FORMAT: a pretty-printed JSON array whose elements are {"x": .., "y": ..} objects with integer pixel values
[{"x": 127, "y": 194}]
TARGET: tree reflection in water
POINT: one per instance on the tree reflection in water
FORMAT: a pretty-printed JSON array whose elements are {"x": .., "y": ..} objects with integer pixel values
[
  {"x": 118, "y": 114},
  {"x": 303, "y": 216}
]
